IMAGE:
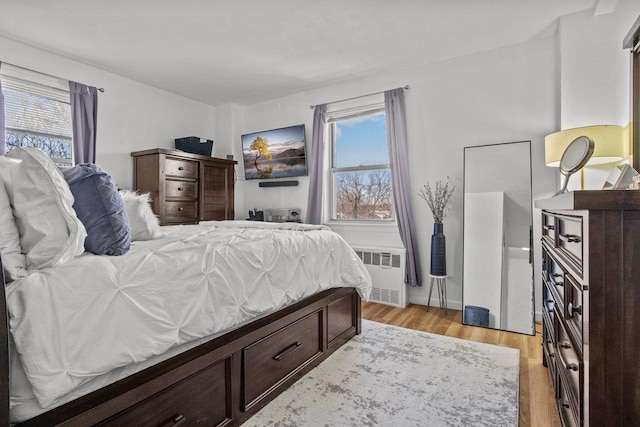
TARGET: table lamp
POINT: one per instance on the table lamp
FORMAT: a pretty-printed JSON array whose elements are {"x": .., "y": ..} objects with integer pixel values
[{"x": 609, "y": 143}]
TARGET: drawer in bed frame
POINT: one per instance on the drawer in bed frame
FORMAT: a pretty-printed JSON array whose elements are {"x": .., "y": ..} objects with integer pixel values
[
  {"x": 226, "y": 380},
  {"x": 269, "y": 361},
  {"x": 201, "y": 399}
]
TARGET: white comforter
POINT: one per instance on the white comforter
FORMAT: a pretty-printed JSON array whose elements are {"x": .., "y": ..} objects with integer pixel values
[{"x": 96, "y": 313}]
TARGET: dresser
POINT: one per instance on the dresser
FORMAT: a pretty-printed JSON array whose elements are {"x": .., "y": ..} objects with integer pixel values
[
  {"x": 185, "y": 188},
  {"x": 591, "y": 305}
]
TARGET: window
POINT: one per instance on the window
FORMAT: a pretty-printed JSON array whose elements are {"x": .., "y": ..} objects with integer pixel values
[
  {"x": 37, "y": 113},
  {"x": 360, "y": 175}
]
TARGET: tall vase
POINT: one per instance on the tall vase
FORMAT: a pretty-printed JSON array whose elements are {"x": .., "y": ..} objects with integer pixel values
[{"x": 438, "y": 252}]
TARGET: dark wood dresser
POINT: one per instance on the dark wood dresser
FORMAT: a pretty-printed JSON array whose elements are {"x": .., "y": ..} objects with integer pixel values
[
  {"x": 591, "y": 305},
  {"x": 185, "y": 188}
]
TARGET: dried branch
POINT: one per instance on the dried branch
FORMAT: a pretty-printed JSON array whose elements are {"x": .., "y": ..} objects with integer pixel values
[{"x": 437, "y": 200}]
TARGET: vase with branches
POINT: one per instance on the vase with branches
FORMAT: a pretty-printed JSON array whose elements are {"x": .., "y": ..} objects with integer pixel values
[{"x": 437, "y": 198}]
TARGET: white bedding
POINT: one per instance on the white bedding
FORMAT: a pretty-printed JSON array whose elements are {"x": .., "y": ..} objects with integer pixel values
[{"x": 94, "y": 314}]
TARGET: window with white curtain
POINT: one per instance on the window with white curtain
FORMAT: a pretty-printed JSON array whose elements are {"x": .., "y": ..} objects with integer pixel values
[
  {"x": 37, "y": 112},
  {"x": 360, "y": 175}
]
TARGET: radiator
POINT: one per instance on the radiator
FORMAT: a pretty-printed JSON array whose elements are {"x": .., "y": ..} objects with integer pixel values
[{"x": 386, "y": 267}]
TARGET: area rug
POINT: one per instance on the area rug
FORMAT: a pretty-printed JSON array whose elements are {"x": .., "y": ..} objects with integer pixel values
[{"x": 391, "y": 376}]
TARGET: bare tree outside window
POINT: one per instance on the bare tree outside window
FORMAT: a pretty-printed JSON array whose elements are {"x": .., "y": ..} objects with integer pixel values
[
  {"x": 360, "y": 168},
  {"x": 363, "y": 195},
  {"x": 56, "y": 148}
]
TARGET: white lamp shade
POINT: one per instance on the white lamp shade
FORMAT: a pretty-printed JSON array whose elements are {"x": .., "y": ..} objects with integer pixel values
[{"x": 609, "y": 144}]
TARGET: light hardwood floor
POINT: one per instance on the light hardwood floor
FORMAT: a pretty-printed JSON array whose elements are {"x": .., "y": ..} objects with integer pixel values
[{"x": 537, "y": 406}]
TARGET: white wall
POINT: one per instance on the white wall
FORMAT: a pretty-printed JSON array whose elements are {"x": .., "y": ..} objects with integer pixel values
[
  {"x": 595, "y": 76},
  {"x": 131, "y": 116},
  {"x": 292, "y": 110},
  {"x": 594, "y": 68},
  {"x": 227, "y": 142},
  {"x": 504, "y": 95}
]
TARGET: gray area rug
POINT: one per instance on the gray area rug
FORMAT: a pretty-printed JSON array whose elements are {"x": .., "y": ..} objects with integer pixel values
[{"x": 391, "y": 376}]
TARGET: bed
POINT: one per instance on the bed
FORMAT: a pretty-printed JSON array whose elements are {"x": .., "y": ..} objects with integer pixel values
[{"x": 197, "y": 325}]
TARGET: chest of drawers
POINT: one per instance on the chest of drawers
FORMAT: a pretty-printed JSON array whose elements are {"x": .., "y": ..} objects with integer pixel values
[
  {"x": 591, "y": 305},
  {"x": 185, "y": 188}
]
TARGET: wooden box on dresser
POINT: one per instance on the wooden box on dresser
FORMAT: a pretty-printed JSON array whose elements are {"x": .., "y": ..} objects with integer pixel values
[
  {"x": 591, "y": 305},
  {"x": 185, "y": 188}
]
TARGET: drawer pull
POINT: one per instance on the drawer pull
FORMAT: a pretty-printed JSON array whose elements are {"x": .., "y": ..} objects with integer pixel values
[
  {"x": 549, "y": 227},
  {"x": 570, "y": 238},
  {"x": 180, "y": 209},
  {"x": 180, "y": 189},
  {"x": 287, "y": 350},
  {"x": 556, "y": 275},
  {"x": 572, "y": 367},
  {"x": 573, "y": 310},
  {"x": 566, "y": 405},
  {"x": 180, "y": 168},
  {"x": 177, "y": 420},
  {"x": 565, "y": 345}
]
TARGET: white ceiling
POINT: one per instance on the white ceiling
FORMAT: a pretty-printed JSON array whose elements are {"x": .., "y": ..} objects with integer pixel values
[{"x": 247, "y": 51}]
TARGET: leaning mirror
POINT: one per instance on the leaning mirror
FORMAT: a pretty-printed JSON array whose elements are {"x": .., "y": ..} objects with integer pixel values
[{"x": 498, "y": 289}]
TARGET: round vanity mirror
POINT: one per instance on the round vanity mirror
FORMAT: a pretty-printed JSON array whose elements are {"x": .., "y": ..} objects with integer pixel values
[{"x": 575, "y": 156}]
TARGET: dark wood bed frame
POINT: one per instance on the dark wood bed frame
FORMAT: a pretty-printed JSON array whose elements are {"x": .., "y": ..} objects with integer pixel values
[{"x": 219, "y": 383}]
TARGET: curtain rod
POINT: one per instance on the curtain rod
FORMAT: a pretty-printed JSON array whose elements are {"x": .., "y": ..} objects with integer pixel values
[
  {"x": 405, "y": 87},
  {"x": 44, "y": 74}
]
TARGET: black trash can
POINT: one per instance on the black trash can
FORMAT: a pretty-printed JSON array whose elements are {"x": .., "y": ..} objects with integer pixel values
[{"x": 477, "y": 316}]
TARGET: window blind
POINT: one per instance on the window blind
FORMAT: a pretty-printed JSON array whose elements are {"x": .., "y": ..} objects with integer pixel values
[
  {"x": 36, "y": 103},
  {"x": 34, "y": 113},
  {"x": 356, "y": 107}
]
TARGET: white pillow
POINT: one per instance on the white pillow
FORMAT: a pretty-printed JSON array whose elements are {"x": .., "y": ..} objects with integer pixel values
[
  {"x": 14, "y": 262},
  {"x": 50, "y": 232},
  {"x": 143, "y": 222}
]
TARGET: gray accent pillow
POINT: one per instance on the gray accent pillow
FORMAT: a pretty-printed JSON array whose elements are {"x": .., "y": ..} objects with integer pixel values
[{"x": 100, "y": 208}]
